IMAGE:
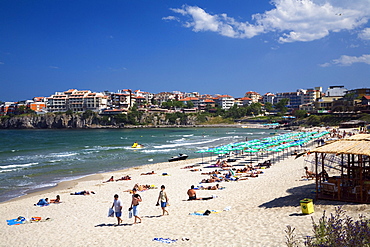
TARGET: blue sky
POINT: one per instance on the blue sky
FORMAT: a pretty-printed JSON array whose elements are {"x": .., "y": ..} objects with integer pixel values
[{"x": 214, "y": 47}]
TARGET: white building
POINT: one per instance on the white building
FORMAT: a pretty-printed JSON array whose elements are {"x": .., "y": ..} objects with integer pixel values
[{"x": 225, "y": 101}]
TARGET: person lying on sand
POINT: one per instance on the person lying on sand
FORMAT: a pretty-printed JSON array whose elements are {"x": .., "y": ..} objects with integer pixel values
[
  {"x": 214, "y": 187},
  {"x": 57, "y": 200},
  {"x": 211, "y": 173},
  {"x": 42, "y": 202},
  {"x": 148, "y": 173},
  {"x": 138, "y": 187},
  {"x": 193, "y": 195},
  {"x": 224, "y": 164},
  {"x": 109, "y": 180},
  {"x": 127, "y": 177},
  {"x": 84, "y": 193}
]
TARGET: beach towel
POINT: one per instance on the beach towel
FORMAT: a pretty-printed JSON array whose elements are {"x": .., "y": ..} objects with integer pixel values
[
  {"x": 165, "y": 240},
  {"x": 17, "y": 221}
]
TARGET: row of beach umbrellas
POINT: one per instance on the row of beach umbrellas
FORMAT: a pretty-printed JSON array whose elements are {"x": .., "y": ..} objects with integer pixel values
[{"x": 277, "y": 143}]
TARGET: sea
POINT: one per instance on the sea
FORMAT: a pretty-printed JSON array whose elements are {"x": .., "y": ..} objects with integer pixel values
[{"x": 33, "y": 160}]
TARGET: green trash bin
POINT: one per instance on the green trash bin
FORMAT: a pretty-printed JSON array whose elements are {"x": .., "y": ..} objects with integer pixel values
[{"x": 307, "y": 206}]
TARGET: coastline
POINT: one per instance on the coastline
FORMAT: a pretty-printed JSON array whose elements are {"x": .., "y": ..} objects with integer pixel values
[{"x": 260, "y": 209}]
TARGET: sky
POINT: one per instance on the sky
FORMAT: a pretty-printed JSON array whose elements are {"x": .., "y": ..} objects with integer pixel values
[{"x": 211, "y": 47}]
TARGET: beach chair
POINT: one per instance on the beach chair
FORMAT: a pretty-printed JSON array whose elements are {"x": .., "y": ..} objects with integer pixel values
[{"x": 329, "y": 188}]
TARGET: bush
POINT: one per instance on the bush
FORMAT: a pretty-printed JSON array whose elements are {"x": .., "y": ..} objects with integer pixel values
[{"x": 338, "y": 230}]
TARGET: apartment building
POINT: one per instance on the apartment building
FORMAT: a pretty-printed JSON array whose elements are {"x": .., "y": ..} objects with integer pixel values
[
  {"x": 76, "y": 101},
  {"x": 254, "y": 96},
  {"x": 225, "y": 101}
]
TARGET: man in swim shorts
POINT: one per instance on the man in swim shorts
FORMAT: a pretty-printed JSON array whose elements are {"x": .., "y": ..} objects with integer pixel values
[
  {"x": 117, "y": 208},
  {"x": 192, "y": 194},
  {"x": 136, "y": 198}
]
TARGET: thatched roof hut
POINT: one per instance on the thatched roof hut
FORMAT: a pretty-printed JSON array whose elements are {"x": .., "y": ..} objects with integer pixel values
[{"x": 352, "y": 156}]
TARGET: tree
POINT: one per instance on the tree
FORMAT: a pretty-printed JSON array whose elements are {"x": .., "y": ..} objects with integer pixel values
[
  {"x": 268, "y": 107},
  {"x": 313, "y": 120},
  {"x": 300, "y": 113},
  {"x": 189, "y": 104},
  {"x": 281, "y": 105}
]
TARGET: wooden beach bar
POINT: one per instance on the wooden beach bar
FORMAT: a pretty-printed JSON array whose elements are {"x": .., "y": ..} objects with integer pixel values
[{"x": 342, "y": 169}]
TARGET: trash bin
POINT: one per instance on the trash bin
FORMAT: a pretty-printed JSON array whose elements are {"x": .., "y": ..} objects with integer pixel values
[{"x": 307, "y": 206}]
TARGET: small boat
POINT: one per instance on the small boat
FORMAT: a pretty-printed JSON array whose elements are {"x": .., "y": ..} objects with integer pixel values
[
  {"x": 137, "y": 145},
  {"x": 178, "y": 157}
]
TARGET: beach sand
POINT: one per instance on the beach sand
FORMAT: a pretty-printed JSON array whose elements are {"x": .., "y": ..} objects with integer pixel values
[{"x": 261, "y": 208}]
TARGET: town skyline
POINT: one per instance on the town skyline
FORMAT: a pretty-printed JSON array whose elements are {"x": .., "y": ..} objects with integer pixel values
[
  {"x": 157, "y": 46},
  {"x": 176, "y": 92}
]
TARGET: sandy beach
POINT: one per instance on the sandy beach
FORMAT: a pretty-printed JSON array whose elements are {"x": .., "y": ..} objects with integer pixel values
[{"x": 260, "y": 209}]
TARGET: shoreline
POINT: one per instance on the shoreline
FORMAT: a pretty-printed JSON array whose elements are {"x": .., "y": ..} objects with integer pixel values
[
  {"x": 88, "y": 178},
  {"x": 260, "y": 208}
]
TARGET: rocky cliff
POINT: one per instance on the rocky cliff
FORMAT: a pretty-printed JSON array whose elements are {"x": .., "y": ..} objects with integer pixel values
[{"x": 79, "y": 121}]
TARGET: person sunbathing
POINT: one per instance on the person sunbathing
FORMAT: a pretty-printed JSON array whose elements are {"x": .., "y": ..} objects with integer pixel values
[
  {"x": 148, "y": 173},
  {"x": 109, "y": 180},
  {"x": 211, "y": 173},
  {"x": 127, "y": 177},
  {"x": 214, "y": 187},
  {"x": 42, "y": 202},
  {"x": 224, "y": 164},
  {"x": 84, "y": 192},
  {"x": 57, "y": 200},
  {"x": 309, "y": 174},
  {"x": 138, "y": 187}
]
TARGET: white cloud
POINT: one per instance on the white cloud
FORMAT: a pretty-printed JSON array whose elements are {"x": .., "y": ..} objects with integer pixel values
[
  {"x": 345, "y": 60},
  {"x": 170, "y": 18},
  {"x": 365, "y": 34},
  {"x": 1, "y": 63},
  {"x": 295, "y": 20},
  {"x": 53, "y": 67}
]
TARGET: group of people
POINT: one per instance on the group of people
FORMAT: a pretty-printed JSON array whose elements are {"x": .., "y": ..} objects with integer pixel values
[
  {"x": 135, "y": 202},
  {"x": 45, "y": 201}
]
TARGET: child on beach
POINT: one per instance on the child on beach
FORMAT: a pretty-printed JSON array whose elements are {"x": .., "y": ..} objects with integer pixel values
[
  {"x": 117, "y": 205},
  {"x": 164, "y": 200}
]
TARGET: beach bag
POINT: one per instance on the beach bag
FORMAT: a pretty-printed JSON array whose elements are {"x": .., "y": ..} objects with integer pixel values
[
  {"x": 111, "y": 212},
  {"x": 130, "y": 213},
  {"x": 207, "y": 212}
]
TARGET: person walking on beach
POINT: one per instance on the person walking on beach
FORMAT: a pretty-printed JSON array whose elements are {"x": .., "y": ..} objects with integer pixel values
[
  {"x": 117, "y": 205},
  {"x": 164, "y": 200},
  {"x": 136, "y": 199}
]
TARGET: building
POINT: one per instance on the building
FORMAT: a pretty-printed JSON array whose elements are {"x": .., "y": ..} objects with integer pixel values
[
  {"x": 295, "y": 99},
  {"x": 268, "y": 98},
  {"x": 225, "y": 101},
  {"x": 254, "y": 96},
  {"x": 335, "y": 91},
  {"x": 358, "y": 93},
  {"x": 76, "y": 101},
  {"x": 38, "y": 104},
  {"x": 164, "y": 97},
  {"x": 245, "y": 101}
]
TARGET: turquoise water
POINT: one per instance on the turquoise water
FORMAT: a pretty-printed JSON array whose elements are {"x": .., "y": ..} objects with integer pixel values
[{"x": 36, "y": 159}]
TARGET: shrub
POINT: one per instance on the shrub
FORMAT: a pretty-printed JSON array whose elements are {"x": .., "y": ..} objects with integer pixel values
[{"x": 338, "y": 230}]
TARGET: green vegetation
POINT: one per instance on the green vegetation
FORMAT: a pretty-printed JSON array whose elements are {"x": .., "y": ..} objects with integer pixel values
[{"x": 338, "y": 230}]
